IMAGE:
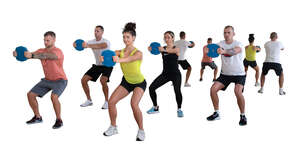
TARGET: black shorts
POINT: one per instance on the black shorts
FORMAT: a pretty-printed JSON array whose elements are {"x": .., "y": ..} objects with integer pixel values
[
  {"x": 269, "y": 65},
  {"x": 130, "y": 87},
  {"x": 184, "y": 64},
  {"x": 96, "y": 70},
  {"x": 212, "y": 65},
  {"x": 227, "y": 79},
  {"x": 253, "y": 64}
]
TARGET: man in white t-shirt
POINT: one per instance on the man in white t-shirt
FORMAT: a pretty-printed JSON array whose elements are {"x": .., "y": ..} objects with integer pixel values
[
  {"x": 273, "y": 49},
  {"x": 232, "y": 71},
  {"x": 183, "y": 44},
  {"x": 98, "y": 45}
]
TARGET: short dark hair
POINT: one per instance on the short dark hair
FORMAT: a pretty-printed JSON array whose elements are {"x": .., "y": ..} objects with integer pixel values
[
  {"x": 273, "y": 35},
  {"x": 209, "y": 39},
  {"x": 182, "y": 34},
  {"x": 171, "y": 33},
  {"x": 101, "y": 27},
  {"x": 229, "y": 26},
  {"x": 50, "y": 33}
]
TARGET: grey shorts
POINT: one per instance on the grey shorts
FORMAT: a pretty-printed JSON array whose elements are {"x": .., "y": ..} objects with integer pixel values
[
  {"x": 44, "y": 86},
  {"x": 212, "y": 65}
]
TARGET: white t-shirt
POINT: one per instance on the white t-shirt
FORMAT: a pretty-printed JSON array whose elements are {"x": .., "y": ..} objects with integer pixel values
[
  {"x": 182, "y": 45},
  {"x": 273, "y": 49},
  {"x": 233, "y": 65},
  {"x": 97, "y": 52}
]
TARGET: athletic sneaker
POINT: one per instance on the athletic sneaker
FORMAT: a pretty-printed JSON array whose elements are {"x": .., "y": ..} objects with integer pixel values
[
  {"x": 86, "y": 103},
  {"x": 256, "y": 84},
  {"x": 140, "y": 135},
  {"x": 214, "y": 116},
  {"x": 187, "y": 85},
  {"x": 153, "y": 110},
  {"x": 112, "y": 130},
  {"x": 58, "y": 124},
  {"x": 179, "y": 113},
  {"x": 243, "y": 120},
  {"x": 260, "y": 91},
  {"x": 34, "y": 120},
  {"x": 282, "y": 93},
  {"x": 200, "y": 79},
  {"x": 105, "y": 105}
]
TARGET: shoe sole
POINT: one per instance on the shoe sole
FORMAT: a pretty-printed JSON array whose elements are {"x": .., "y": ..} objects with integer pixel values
[
  {"x": 109, "y": 135},
  {"x": 138, "y": 139},
  {"x": 218, "y": 118},
  {"x": 243, "y": 124},
  {"x": 86, "y": 105},
  {"x": 34, "y": 123},
  {"x": 57, "y": 127},
  {"x": 152, "y": 112}
]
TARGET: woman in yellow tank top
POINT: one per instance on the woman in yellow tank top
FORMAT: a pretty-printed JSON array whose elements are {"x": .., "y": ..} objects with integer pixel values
[
  {"x": 250, "y": 59},
  {"x": 133, "y": 80}
]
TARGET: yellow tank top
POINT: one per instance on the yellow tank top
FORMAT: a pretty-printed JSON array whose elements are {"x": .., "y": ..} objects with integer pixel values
[
  {"x": 131, "y": 70},
  {"x": 250, "y": 53}
]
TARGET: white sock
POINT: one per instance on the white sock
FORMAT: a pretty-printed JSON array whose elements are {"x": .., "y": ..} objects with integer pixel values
[
  {"x": 262, "y": 89},
  {"x": 217, "y": 111},
  {"x": 242, "y": 114},
  {"x": 280, "y": 89}
]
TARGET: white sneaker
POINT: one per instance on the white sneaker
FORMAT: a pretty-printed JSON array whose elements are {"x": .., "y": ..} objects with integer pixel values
[
  {"x": 256, "y": 84},
  {"x": 282, "y": 92},
  {"x": 86, "y": 103},
  {"x": 140, "y": 135},
  {"x": 105, "y": 105},
  {"x": 112, "y": 130},
  {"x": 260, "y": 91},
  {"x": 187, "y": 85}
]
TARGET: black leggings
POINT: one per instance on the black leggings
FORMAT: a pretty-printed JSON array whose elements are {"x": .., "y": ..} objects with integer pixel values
[{"x": 163, "y": 79}]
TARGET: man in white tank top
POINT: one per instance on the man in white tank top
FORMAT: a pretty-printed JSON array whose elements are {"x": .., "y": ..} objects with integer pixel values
[
  {"x": 273, "y": 49},
  {"x": 232, "y": 71},
  {"x": 183, "y": 44},
  {"x": 98, "y": 45}
]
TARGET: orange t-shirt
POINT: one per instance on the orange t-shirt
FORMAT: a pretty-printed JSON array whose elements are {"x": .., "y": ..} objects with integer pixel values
[
  {"x": 53, "y": 69},
  {"x": 205, "y": 57}
]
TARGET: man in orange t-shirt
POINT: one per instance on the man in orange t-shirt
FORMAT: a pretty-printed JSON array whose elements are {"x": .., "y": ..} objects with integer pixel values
[
  {"x": 207, "y": 61},
  {"x": 55, "y": 78}
]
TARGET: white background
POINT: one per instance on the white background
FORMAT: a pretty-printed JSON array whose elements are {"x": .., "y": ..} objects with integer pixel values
[{"x": 273, "y": 120}]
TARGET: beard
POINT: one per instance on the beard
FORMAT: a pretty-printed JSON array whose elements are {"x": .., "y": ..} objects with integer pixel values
[{"x": 49, "y": 46}]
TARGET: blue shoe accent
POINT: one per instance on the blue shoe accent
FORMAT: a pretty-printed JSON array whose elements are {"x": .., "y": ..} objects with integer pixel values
[
  {"x": 153, "y": 110},
  {"x": 179, "y": 113}
]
